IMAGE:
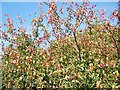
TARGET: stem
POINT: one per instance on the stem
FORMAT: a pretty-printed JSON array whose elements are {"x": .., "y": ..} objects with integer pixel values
[{"x": 77, "y": 45}]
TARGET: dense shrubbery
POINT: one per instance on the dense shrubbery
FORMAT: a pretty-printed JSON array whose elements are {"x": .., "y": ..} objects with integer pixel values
[{"x": 76, "y": 58}]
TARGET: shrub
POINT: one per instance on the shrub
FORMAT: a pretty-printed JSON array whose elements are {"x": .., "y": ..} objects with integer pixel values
[{"x": 76, "y": 58}]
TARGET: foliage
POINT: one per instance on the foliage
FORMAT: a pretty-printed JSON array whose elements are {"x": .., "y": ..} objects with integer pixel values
[{"x": 76, "y": 58}]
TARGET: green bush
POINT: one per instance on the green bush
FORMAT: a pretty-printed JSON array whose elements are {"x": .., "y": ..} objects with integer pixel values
[{"x": 75, "y": 59}]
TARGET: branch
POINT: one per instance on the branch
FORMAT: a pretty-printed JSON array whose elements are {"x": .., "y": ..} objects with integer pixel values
[
  {"x": 116, "y": 45},
  {"x": 78, "y": 47}
]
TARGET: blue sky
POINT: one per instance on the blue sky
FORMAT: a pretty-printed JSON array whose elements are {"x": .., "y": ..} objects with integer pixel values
[
  {"x": 25, "y": 8},
  {"x": 58, "y": 0}
]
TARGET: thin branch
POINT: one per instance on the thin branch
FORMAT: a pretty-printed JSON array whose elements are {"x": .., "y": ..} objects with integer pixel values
[
  {"x": 116, "y": 44},
  {"x": 78, "y": 47}
]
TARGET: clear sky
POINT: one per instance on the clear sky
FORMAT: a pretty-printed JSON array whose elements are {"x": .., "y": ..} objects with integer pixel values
[
  {"x": 25, "y": 8},
  {"x": 58, "y": 0}
]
